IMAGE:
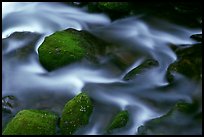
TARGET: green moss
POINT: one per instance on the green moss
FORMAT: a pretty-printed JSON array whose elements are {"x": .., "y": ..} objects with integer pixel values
[
  {"x": 59, "y": 49},
  {"x": 32, "y": 122},
  {"x": 147, "y": 64},
  {"x": 119, "y": 121},
  {"x": 76, "y": 114},
  {"x": 114, "y": 9},
  {"x": 114, "y": 6},
  {"x": 68, "y": 46},
  {"x": 189, "y": 63},
  {"x": 186, "y": 107}
]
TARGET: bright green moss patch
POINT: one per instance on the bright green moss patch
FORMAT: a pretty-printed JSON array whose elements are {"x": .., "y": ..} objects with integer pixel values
[
  {"x": 68, "y": 46},
  {"x": 119, "y": 121},
  {"x": 32, "y": 122},
  {"x": 59, "y": 49},
  {"x": 76, "y": 114}
]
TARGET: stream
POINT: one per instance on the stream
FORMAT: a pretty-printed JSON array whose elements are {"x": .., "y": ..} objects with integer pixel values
[{"x": 147, "y": 96}]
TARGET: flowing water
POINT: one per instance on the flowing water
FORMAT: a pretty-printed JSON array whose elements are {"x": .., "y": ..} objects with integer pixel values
[{"x": 35, "y": 88}]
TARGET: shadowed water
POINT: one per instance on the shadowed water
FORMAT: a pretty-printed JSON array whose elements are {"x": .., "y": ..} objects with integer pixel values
[{"x": 144, "y": 97}]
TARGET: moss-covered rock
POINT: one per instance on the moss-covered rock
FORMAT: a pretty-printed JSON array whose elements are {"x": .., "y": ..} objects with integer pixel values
[
  {"x": 76, "y": 114},
  {"x": 182, "y": 13},
  {"x": 32, "y": 122},
  {"x": 189, "y": 63},
  {"x": 147, "y": 64},
  {"x": 119, "y": 121},
  {"x": 114, "y": 9},
  {"x": 183, "y": 118},
  {"x": 69, "y": 46},
  {"x": 114, "y": 6}
]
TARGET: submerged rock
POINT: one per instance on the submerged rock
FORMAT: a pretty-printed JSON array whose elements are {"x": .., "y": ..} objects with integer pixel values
[
  {"x": 189, "y": 63},
  {"x": 76, "y": 114},
  {"x": 69, "y": 46},
  {"x": 32, "y": 122},
  {"x": 25, "y": 45},
  {"x": 183, "y": 118},
  {"x": 147, "y": 64},
  {"x": 119, "y": 121}
]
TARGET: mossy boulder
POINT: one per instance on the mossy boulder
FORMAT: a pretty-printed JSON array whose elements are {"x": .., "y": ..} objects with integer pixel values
[
  {"x": 114, "y": 6},
  {"x": 114, "y": 9},
  {"x": 147, "y": 64},
  {"x": 68, "y": 46},
  {"x": 189, "y": 63},
  {"x": 182, "y": 13},
  {"x": 32, "y": 122},
  {"x": 183, "y": 118},
  {"x": 76, "y": 114},
  {"x": 119, "y": 121}
]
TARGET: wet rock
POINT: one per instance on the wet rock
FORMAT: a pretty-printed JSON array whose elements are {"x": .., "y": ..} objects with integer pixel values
[
  {"x": 114, "y": 6},
  {"x": 147, "y": 64},
  {"x": 197, "y": 37},
  {"x": 189, "y": 63},
  {"x": 8, "y": 103},
  {"x": 32, "y": 122},
  {"x": 114, "y": 9},
  {"x": 183, "y": 118},
  {"x": 119, "y": 121},
  {"x": 122, "y": 58},
  {"x": 69, "y": 46},
  {"x": 20, "y": 45},
  {"x": 76, "y": 114},
  {"x": 182, "y": 13}
]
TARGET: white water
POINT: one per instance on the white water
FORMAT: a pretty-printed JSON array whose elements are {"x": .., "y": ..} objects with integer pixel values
[{"x": 26, "y": 79}]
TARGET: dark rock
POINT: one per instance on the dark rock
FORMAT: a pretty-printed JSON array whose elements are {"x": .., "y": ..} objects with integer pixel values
[
  {"x": 189, "y": 63},
  {"x": 8, "y": 102},
  {"x": 114, "y": 9},
  {"x": 197, "y": 37}
]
